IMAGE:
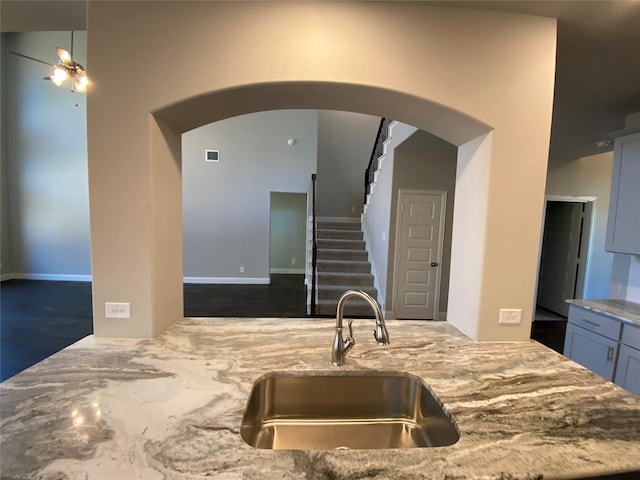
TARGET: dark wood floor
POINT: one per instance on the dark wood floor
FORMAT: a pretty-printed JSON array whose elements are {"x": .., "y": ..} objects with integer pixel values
[
  {"x": 550, "y": 333},
  {"x": 549, "y": 328},
  {"x": 39, "y": 318},
  {"x": 285, "y": 296}
]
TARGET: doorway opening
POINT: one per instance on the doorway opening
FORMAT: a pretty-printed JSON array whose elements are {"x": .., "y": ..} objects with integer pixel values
[{"x": 563, "y": 267}]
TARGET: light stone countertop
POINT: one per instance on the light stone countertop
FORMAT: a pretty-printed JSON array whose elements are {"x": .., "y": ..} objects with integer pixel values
[
  {"x": 627, "y": 312},
  {"x": 171, "y": 407}
]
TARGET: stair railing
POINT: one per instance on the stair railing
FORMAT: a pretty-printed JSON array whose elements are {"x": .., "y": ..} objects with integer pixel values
[
  {"x": 314, "y": 244},
  {"x": 378, "y": 149}
]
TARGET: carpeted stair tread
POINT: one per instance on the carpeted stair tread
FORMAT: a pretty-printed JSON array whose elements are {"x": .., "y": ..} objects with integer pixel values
[
  {"x": 342, "y": 254},
  {"x": 339, "y": 234},
  {"x": 341, "y": 244},
  {"x": 334, "y": 292},
  {"x": 340, "y": 226},
  {"x": 329, "y": 307},
  {"x": 354, "y": 279},
  {"x": 344, "y": 266}
]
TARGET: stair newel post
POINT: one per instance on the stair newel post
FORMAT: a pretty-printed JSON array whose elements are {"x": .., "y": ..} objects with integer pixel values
[{"x": 314, "y": 244}]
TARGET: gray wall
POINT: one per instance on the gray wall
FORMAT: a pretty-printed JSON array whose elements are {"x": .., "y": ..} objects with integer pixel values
[
  {"x": 226, "y": 204},
  {"x": 424, "y": 162},
  {"x": 45, "y": 214},
  {"x": 345, "y": 141},
  {"x": 288, "y": 244},
  {"x": 375, "y": 224}
]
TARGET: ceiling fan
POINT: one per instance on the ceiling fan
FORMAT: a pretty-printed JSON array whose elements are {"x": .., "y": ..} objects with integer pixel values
[{"x": 65, "y": 69}]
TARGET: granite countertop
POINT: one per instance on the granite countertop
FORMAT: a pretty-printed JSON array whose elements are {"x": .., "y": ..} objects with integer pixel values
[
  {"x": 171, "y": 407},
  {"x": 628, "y": 312}
]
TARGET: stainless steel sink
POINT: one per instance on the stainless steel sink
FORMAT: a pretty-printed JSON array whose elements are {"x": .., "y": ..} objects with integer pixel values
[{"x": 326, "y": 411}]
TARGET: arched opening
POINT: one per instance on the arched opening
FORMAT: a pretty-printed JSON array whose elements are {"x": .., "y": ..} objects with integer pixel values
[
  {"x": 491, "y": 99},
  {"x": 451, "y": 125},
  {"x": 173, "y": 120}
]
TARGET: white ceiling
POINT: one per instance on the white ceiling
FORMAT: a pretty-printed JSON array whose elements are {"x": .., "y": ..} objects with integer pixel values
[{"x": 598, "y": 58}]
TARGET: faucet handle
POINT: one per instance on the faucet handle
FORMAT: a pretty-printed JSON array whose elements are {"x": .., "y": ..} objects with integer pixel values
[{"x": 350, "y": 328}]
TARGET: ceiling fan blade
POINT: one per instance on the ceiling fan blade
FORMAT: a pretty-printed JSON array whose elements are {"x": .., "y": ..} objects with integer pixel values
[
  {"x": 65, "y": 58},
  {"x": 28, "y": 57}
]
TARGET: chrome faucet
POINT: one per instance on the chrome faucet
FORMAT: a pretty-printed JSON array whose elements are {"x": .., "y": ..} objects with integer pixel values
[{"x": 341, "y": 347}]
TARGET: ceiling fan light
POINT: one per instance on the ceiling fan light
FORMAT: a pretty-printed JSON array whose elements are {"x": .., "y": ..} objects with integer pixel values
[
  {"x": 59, "y": 75},
  {"x": 81, "y": 82}
]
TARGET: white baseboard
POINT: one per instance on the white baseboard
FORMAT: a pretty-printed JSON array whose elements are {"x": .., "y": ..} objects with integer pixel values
[
  {"x": 227, "y": 280},
  {"x": 46, "y": 276},
  {"x": 287, "y": 270}
]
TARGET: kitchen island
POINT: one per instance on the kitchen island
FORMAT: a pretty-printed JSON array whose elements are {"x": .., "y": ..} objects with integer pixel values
[{"x": 171, "y": 407}]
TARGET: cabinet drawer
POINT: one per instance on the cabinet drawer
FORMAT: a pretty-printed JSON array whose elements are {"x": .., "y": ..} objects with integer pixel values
[
  {"x": 595, "y": 322},
  {"x": 631, "y": 336}
]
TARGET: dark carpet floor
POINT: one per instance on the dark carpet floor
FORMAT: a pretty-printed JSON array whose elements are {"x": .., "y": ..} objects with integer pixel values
[{"x": 39, "y": 318}]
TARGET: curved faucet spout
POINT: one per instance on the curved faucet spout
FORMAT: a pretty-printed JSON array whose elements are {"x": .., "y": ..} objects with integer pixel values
[{"x": 341, "y": 347}]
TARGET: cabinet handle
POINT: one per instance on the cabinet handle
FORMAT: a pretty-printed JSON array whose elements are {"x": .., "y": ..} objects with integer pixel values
[
  {"x": 609, "y": 354},
  {"x": 595, "y": 324}
]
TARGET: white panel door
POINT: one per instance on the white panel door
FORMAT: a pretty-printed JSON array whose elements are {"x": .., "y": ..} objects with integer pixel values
[{"x": 418, "y": 250}]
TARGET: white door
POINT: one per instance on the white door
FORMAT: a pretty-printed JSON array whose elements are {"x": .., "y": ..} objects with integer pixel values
[
  {"x": 560, "y": 256},
  {"x": 419, "y": 232}
]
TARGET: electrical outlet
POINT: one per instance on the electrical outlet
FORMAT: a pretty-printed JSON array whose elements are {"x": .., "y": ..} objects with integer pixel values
[
  {"x": 511, "y": 316},
  {"x": 242, "y": 269},
  {"x": 293, "y": 260},
  {"x": 117, "y": 310}
]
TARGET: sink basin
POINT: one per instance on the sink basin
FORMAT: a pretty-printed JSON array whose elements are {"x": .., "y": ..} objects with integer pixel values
[{"x": 327, "y": 410}]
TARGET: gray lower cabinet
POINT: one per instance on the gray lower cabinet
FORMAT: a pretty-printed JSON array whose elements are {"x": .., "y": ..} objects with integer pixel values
[
  {"x": 628, "y": 371},
  {"x": 605, "y": 346},
  {"x": 591, "y": 350},
  {"x": 628, "y": 368}
]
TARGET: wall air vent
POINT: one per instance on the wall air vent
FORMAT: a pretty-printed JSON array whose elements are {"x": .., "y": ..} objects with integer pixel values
[{"x": 212, "y": 156}]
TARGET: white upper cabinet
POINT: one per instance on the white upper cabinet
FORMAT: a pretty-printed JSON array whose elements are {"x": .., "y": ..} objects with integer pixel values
[{"x": 623, "y": 227}]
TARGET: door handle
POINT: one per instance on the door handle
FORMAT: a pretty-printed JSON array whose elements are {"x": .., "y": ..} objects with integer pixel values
[{"x": 434, "y": 264}]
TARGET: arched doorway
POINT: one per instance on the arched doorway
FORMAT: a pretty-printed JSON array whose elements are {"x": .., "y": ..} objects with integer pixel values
[{"x": 492, "y": 99}]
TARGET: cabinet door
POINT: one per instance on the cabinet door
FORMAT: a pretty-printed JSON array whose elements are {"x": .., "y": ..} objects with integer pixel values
[
  {"x": 628, "y": 369},
  {"x": 593, "y": 351},
  {"x": 623, "y": 224}
]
